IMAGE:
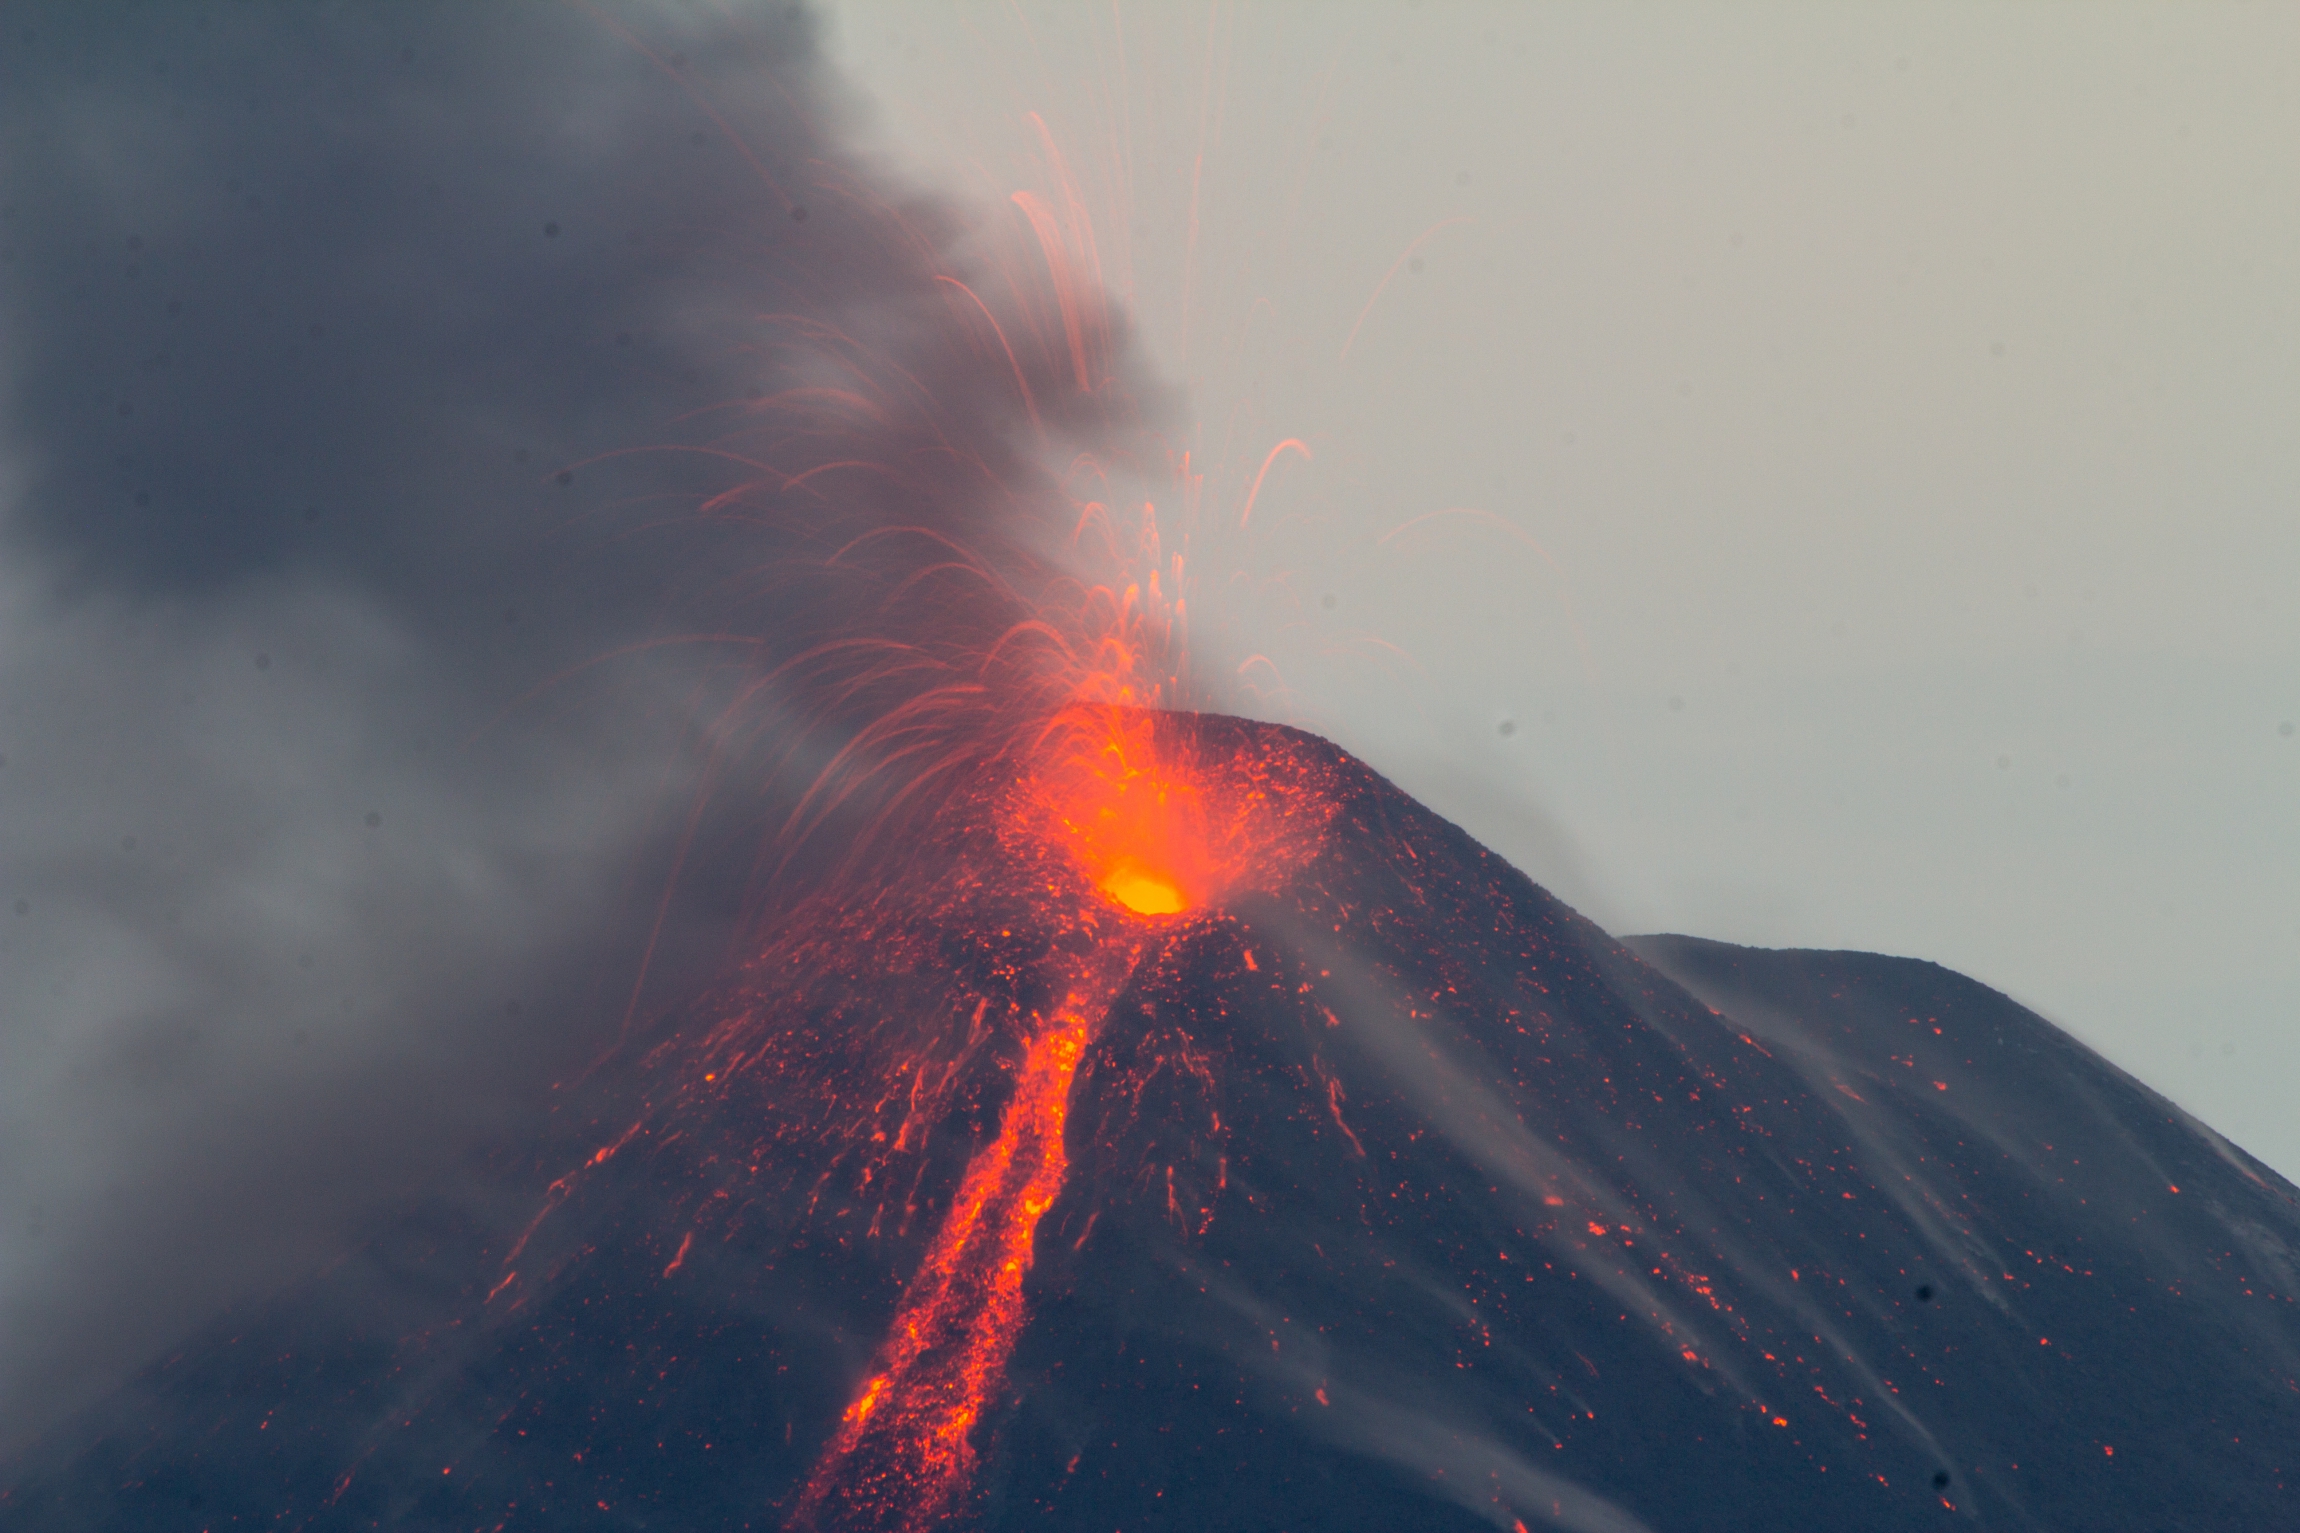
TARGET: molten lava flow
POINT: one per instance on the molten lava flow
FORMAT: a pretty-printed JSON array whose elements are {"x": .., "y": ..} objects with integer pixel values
[
  {"x": 904, "y": 1451},
  {"x": 955, "y": 710},
  {"x": 1115, "y": 824}
]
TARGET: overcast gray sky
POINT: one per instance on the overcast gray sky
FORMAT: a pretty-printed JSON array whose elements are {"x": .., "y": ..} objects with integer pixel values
[{"x": 1904, "y": 400}]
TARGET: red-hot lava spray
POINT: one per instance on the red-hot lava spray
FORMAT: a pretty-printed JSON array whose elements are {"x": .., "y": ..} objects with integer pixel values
[
  {"x": 1048, "y": 737},
  {"x": 1114, "y": 835},
  {"x": 963, "y": 691}
]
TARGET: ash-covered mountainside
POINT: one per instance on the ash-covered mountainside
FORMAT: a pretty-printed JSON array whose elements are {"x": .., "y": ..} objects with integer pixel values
[{"x": 1396, "y": 1195}]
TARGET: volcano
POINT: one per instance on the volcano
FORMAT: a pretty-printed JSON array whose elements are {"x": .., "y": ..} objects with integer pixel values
[{"x": 1204, "y": 1135}]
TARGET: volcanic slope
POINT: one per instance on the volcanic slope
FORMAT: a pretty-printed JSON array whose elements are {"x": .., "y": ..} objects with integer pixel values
[{"x": 1384, "y": 1192}]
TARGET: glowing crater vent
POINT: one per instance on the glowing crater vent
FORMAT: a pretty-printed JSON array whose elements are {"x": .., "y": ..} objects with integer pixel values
[
  {"x": 1158, "y": 826},
  {"x": 1143, "y": 890},
  {"x": 1132, "y": 816}
]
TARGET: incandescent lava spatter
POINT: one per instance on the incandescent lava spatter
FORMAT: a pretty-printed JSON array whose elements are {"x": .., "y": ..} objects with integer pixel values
[{"x": 1213, "y": 1138}]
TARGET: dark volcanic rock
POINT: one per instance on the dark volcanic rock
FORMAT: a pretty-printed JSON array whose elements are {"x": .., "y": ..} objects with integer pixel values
[{"x": 1399, "y": 1196}]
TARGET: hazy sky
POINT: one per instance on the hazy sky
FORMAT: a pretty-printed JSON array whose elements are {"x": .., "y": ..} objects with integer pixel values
[
  {"x": 1801, "y": 476},
  {"x": 1882, "y": 420}
]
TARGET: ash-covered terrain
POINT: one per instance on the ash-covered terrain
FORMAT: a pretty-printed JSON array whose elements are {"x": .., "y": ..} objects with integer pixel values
[{"x": 1391, "y": 1193}]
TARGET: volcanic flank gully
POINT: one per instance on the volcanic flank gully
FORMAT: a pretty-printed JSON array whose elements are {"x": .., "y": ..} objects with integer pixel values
[{"x": 1203, "y": 1135}]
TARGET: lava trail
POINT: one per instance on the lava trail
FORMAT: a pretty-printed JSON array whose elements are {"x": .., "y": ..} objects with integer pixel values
[
  {"x": 904, "y": 1452},
  {"x": 1114, "y": 833}
]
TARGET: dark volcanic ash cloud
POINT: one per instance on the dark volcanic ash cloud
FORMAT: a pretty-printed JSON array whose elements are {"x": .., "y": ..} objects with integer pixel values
[{"x": 362, "y": 642}]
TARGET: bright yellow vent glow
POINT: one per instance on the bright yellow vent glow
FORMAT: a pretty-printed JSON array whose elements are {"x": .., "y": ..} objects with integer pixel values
[{"x": 1142, "y": 891}]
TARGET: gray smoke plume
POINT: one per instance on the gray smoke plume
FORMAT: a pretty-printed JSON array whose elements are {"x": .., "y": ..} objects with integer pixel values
[{"x": 408, "y": 421}]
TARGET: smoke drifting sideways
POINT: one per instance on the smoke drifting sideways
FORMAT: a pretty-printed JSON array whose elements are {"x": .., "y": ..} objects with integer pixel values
[{"x": 467, "y": 472}]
